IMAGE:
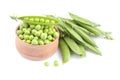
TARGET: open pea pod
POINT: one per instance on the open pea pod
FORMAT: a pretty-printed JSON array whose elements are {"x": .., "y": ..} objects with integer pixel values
[{"x": 36, "y": 20}]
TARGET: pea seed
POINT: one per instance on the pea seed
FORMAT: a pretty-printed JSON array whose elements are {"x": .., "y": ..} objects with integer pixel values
[
  {"x": 42, "y": 20},
  {"x": 46, "y": 41},
  {"x": 34, "y": 31},
  {"x": 26, "y": 36},
  {"x": 28, "y": 41},
  {"x": 40, "y": 31},
  {"x": 19, "y": 32},
  {"x": 50, "y": 37},
  {"x": 46, "y": 63},
  {"x": 37, "y": 33},
  {"x": 37, "y": 27},
  {"x": 31, "y": 19},
  {"x": 55, "y": 34},
  {"x": 31, "y": 37},
  {"x": 43, "y": 36},
  {"x": 21, "y": 36},
  {"x": 56, "y": 63},
  {"x": 24, "y": 29},
  {"x": 50, "y": 32},
  {"x": 32, "y": 26},
  {"x": 26, "y": 18},
  {"x": 34, "y": 42},
  {"x": 53, "y": 22},
  {"x": 41, "y": 42},
  {"x": 37, "y": 19},
  {"x": 27, "y": 32},
  {"x": 47, "y": 21}
]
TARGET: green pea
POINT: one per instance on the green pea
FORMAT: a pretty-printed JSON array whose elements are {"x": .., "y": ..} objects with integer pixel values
[
  {"x": 46, "y": 41},
  {"x": 46, "y": 63},
  {"x": 47, "y": 21},
  {"x": 37, "y": 27},
  {"x": 26, "y": 36},
  {"x": 42, "y": 20},
  {"x": 55, "y": 35},
  {"x": 32, "y": 26},
  {"x": 34, "y": 42},
  {"x": 31, "y": 19},
  {"x": 21, "y": 36},
  {"x": 27, "y": 32},
  {"x": 34, "y": 31},
  {"x": 40, "y": 31},
  {"x": 50, "y": 32},
  {"x": 28, "y": 41},
  {"x": 43, "y": 36},
  {"x": 41, "y": 42},
  {"x": 52, "y": 21},
  {"x": 50, "y": 37},
  {"x": 19, "y": 32},
  {"x": 24, "y": 29},
  {"x": 37, "y": 33},
  {"x": 46, "y": 30},
  {"x": 56, "y": 63},
  {"x": 26, "y": 18},
  {"x": 31, "y": 37},
  {"x": 37, "y": 19}
]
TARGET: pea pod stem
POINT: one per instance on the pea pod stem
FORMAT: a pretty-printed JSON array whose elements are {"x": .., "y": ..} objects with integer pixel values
[{"x": 65, "y": 51}]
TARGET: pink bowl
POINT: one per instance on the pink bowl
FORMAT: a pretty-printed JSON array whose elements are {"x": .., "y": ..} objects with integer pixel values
[{"x": 36, "y": 52}]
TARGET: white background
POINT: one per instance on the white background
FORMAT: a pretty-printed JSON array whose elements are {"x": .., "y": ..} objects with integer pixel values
[{"x": 107, "y": 67}]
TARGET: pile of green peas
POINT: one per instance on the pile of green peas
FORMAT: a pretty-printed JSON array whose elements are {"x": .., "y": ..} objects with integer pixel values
[{"x": 37, "y": 34}]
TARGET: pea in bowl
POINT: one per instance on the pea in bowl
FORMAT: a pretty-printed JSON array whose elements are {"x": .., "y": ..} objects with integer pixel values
[{"x": 36, "y": 42}]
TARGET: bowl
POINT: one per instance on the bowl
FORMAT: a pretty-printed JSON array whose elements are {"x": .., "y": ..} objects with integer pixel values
[{"x": 36, "y": 52}]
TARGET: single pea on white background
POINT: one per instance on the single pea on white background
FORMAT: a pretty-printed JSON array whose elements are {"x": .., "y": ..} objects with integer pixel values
[{"x": 93, "y": 67}]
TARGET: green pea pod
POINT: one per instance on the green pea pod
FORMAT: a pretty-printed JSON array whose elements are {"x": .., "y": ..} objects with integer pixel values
[
  {"x": 36, "y": 20},
  {"x": 94, "y": 30},
  {"x": 82, "y": 49},
  {"x": 73, "y": 45},
  {"x": 82, "y": 20},
  {"x": 64, "y": 50},
  {"x": 83, "y": 29},
  {"x": 91, "y": 48},
  {"x": 70, "y": 31},
  {"x": 80, "y": 32}
]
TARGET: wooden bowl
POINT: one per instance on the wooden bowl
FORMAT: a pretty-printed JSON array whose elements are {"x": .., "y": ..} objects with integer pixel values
[{"x": 36, "y": 52}]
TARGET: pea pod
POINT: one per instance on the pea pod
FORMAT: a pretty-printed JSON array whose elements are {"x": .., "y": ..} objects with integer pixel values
[
  {"x": 64, "y": 50},
  {"x": 91, "y": 48},
  {"x": 91, "y": 29},
  {"x": 96, "y": 31},
  {"x": 36, "y": 20},
  {"x": 82, "y": 49},
  {"x": 82, "y": 20},
  {"x": 80, "y": 32},
  {"x": 73, "y": 45},
  {"x": 70, "y": 31}
]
